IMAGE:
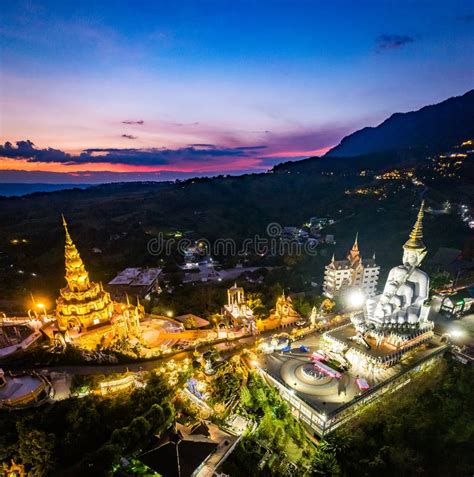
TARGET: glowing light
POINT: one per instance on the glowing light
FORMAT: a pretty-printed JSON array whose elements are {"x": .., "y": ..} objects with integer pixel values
[
  {"x": 169, "y": 314},
  {"x": 457, "y": 333},
  {"x": 356, "y": 298}
]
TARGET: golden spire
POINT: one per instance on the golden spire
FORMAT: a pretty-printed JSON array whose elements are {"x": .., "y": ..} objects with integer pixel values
[
  {"x": 68, "y": 237},
  {"x": 415, "y": 241},
  {"x": 76, "y": 273}
]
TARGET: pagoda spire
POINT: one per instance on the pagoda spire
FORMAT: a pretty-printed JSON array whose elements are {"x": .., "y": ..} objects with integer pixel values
[
  {"x": 415, "y": 241},
  {"x": 76, "y": 274},
  {"x": 66, "y": 231}
]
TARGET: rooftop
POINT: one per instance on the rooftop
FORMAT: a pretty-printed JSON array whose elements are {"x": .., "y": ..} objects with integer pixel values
[{"x": 136, "y": 277}]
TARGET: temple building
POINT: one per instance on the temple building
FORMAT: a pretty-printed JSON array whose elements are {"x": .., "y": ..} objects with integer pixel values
[
  {"x": 237, "y": 308},
  {"x": 352, "y": 272},
  {"x": 284, "y": 308},
  {"x": 282, "y": 315},
  {"x": 85, "y": 312}
]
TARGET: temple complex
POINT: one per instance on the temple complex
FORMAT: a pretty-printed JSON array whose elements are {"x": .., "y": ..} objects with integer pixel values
[
  {"x": 395, "y": 321},
  {"x": 85, "y": 312},
  {"x": 327, "y": 378},
  {"x": 355, "y": 271}
]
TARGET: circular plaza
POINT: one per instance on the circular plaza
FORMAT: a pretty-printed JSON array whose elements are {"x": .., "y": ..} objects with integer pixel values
[{"x": 302, "y": 376}]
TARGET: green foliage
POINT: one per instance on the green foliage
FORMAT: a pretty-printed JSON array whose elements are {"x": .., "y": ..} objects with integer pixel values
[
  {"x": 87, "y": 433},
  {"x": 226, "y": 383},
  {"x": 425, "y": 430},
  {"x": 245, "y": 397},
  {"x": 279, "y": 442},
  {"x": 36, "y": 450},
  {"x": 438, "y": 280},
  {"x": 302, "y": 306}
]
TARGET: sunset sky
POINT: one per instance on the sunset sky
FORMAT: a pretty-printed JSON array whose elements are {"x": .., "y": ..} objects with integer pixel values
[{"x": 152, "y": 90}]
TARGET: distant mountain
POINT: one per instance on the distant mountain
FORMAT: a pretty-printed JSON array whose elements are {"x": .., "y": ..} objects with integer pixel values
[
  {"x": 433, "y": 128},
  {"x": 10, "y": 189}
]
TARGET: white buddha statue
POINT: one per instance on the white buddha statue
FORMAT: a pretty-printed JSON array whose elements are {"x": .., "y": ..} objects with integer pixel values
[{"x": 406, "y": 288}]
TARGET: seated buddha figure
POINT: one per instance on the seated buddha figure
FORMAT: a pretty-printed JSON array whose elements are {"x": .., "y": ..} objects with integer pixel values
[{"x": 406, "y": 288}]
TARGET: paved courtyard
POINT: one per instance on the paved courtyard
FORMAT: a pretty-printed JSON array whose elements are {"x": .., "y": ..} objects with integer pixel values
[{"x": 324, "y": 393}]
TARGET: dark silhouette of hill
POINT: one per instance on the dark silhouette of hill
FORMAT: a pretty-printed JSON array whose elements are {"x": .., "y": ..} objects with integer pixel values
[{"x": 432, "y": 128}]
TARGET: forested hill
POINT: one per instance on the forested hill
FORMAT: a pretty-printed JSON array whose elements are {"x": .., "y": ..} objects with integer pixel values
[{"x": 432, "y": 128}]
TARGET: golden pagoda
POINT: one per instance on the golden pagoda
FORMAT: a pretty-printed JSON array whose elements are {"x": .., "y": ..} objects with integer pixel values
[
  {"x": 82, "y": 303},
  {"x": 415, "y": 242},
  {"x": 85, "y": 308}
]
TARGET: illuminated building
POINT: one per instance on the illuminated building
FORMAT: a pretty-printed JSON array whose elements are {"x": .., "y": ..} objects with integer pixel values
[
  {"x": 119, "y": 385},
  {"x": 23, "y": 390},
  {"x": 352, "y": 272},
  {"x": 237, "y": 308},
  {"x": 283, "y": 314},
  {"x": 284, "y": 308},
  {"x": 395, "y": 321},
  {"x": 85, "y": 312}
]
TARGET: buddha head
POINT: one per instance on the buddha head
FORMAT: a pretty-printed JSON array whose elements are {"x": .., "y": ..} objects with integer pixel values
[{"x": 413, "y": 258}]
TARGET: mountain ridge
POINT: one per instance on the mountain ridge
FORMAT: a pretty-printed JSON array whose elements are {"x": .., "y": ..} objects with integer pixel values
[{"x": 431, "y": 127}]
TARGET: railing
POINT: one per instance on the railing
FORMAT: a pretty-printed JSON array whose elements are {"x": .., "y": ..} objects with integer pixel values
[{"x": 332, "y": 420}]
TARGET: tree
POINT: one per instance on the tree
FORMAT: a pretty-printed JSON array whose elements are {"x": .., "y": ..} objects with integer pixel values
[
  {"x": 327, "y": 306},
  {"x": 36, "y": 450},
  {"x": 255, "y": 303},
  {"x": 190, "y": 323},
  {"x": 245, "y": 397},
  {"x": 325, "y": 463},
  {"x": 101, "y": 462}
]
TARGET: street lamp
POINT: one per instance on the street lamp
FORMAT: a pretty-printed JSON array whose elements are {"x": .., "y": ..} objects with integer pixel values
[{"x": 42, "y": 306}]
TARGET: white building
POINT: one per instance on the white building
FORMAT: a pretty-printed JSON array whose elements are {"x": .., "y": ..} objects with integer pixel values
[
  {"x": 135, "y": 282},
  {"x": 352, "y": 272}
]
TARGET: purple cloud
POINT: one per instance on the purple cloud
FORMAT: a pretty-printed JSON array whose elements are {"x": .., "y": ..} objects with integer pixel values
[
  {"x": 129, "y": 136},
  {"x": 392, "y": 42},
  {"x": 26, "y": 149},
  {"x": 199, "y": 153},
  {"x": 139, "y": 122}
]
